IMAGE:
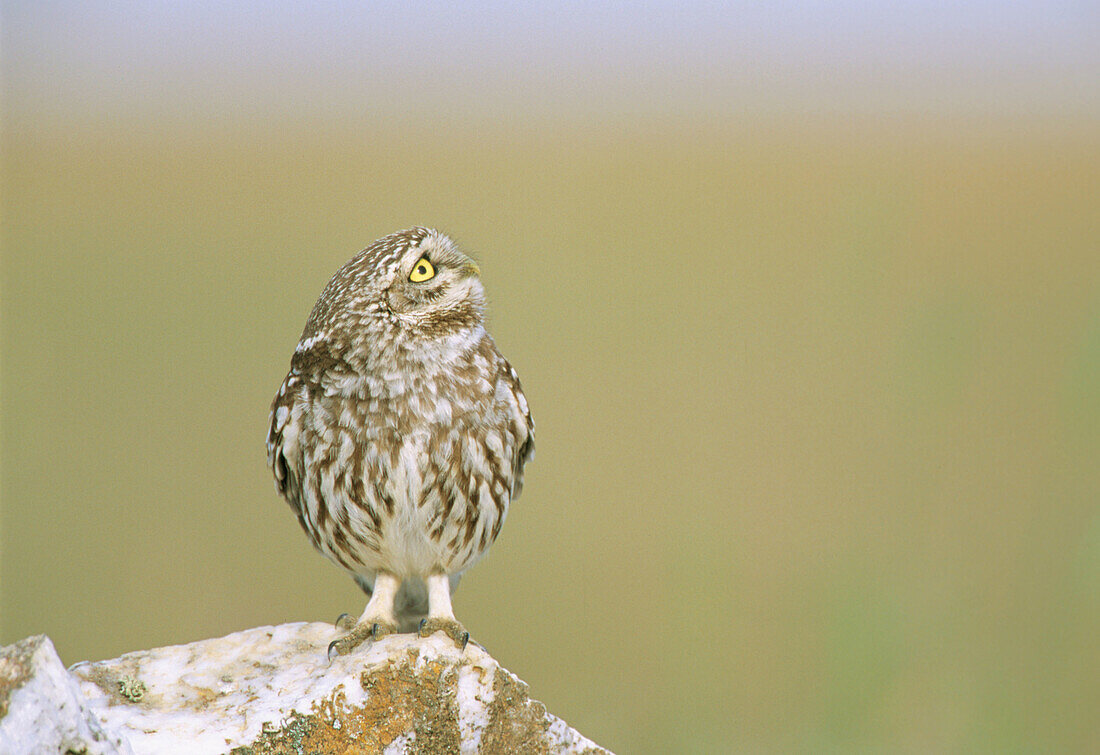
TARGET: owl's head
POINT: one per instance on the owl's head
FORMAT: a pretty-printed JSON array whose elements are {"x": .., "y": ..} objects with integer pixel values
[
  {"x": 413, "y": 284},
  {"x": 434, "y": 288}
]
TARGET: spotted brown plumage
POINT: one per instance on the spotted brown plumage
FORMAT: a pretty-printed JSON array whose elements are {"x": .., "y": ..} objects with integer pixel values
[{"x": 400, "y": 434}]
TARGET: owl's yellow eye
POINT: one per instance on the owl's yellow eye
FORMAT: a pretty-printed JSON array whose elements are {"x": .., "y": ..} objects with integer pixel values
[{"x": 422, "y": 271}]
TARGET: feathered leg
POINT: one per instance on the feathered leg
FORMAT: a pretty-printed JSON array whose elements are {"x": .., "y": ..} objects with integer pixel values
[
  {"x": 441, "y": 617},
  {"x": 377, "y": 619}
]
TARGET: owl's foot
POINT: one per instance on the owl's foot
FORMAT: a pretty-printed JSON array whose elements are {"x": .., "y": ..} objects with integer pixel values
[
  {"x": 449, "y": 627},
  {"x": 359, "y": 634}
]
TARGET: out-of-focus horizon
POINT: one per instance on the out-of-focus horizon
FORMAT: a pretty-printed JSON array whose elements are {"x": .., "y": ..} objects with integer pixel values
[
  {"x": 561, "y": 60},
  {"x": 805, "y": 298}
]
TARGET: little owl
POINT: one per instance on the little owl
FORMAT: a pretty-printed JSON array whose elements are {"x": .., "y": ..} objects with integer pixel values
[{"x": 400, "y": 434}]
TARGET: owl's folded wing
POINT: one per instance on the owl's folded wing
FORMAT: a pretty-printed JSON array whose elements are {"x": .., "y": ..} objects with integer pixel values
[
  {"x": 522, "y": 426},
  {"x": 283, "y": 453}
]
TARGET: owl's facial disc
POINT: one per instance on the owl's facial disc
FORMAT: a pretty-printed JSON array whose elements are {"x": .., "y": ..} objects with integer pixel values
[{"x": 437, "y": 287}]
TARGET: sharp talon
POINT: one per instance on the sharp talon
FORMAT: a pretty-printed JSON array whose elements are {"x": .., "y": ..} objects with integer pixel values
[
  {"x": 344, "y": 621},
  {"x": 331, "y": 647},
  {"x": 375, "y": 631},
  {"x": 420, "y": 628},
  {"x": 465, "y": 639}
]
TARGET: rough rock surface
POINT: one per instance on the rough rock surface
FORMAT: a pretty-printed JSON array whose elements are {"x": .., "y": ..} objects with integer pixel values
[
  {"x": 274, "y": 690},
  {"x": 42, "y": 708}
]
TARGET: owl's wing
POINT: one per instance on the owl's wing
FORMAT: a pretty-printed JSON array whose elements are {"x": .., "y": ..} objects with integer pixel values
[
  {"x": 313, "y": 363},
  {"x": 283, "y": 452},
  {"x": 312, "y": 360},
  {"x": 520, "y": 423}
]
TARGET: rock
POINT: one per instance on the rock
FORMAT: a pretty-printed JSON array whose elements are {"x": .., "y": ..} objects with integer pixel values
[
  {"x": 42, "y": 708},
  {"x": 274, "y": 690}
]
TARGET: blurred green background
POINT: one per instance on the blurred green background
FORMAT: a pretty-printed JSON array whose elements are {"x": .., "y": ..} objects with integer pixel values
[{"x": 806, "y": 304}]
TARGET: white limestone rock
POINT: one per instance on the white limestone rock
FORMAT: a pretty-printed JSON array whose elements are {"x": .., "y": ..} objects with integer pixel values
[
  {"x": 42, "y": 708},
  {"x": 274, "y": 690}
]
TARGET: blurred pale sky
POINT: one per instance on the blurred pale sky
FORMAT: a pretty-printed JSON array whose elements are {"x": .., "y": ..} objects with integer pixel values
[{"x": 212, "y": 59}]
